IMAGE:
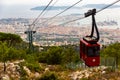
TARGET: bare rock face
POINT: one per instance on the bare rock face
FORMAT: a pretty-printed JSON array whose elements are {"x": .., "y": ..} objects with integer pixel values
[
  {"x": 47, "y": 69},
  {"x": 87, "y": 73},
  {"x": 37, "y": 75},
  {"x": 12, "y": 70},
  {"x": 27, "y": 70},
  {"x": 5, "y": 77}
]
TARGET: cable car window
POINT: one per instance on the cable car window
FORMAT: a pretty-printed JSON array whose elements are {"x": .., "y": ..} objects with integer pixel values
[
  {"x": 93, "y": 51},
  {"x": 96, "y": 51},
  {"x": 90, "y": 52}
]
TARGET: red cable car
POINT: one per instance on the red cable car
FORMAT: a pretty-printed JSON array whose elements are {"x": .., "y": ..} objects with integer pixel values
[{"x": 89, "y": 46}]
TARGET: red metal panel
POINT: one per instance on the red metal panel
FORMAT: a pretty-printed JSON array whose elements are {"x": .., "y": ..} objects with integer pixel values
[
  {"x": 89, "y": 60},
  {"x": 92, "y": 61}
]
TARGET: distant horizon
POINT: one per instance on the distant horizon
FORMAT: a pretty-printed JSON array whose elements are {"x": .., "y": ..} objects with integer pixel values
[
  {"x": 96, "y": 6},
  {"x": 26, "y": 12},
  {"x": 21, "y": 8},
  {"x": 11, "y": 9}
]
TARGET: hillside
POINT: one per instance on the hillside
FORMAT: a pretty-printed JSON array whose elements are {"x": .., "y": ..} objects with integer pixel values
[
  {"x": 50, "y": 72},
  {"x": 19, "y": 62}
]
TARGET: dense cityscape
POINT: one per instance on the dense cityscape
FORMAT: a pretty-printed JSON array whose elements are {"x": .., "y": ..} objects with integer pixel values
[{"x": 51, "y": 35}]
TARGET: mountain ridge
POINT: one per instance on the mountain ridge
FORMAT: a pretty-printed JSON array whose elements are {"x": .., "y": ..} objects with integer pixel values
[{"x": 97, "y": 6}]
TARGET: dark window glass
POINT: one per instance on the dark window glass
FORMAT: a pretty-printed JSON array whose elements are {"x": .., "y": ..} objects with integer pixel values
[
  {"x": 93, "y": 51},
  {"x": 96, "y": 51},
  {"x": 90, "y": 52}
]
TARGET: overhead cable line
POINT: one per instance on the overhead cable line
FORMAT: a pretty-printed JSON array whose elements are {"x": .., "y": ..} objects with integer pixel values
[
  {"x": 96, "y": 12},
  {"x": 108, "y": 6},
  {"x": 66, "y": 9},
  {"x": 48, "y": 9},
  {"x": 72, "y": 21},
  {"x": 51, "y": 7},
  {"x": 30, "y": 32},
  {"x": 41, "y": 13},
  {"x": 62, "y": 11}
]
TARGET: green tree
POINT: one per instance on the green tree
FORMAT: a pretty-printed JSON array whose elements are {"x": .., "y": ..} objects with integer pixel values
[
  {"x": 10, "y": 39},
  {"x": 70, "y": 55},
  {"x": 10, "y": 53},
  {"x": 54, "y": 55},
  {"x": 113, "y": 50},
  {"x": 3, "y": 53},
  {"x": 59, "y": 55}
]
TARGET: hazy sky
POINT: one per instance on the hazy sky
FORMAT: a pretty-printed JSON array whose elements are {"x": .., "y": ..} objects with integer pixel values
[
  {"x": 44, "y": 2},
  {"x": 21, "y": 8}
]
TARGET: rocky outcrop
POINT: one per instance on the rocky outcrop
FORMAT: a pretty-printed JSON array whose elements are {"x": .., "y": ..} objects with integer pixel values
[
  {"x": 13, "y": 71},
  {"x": 88, "y": 72}
]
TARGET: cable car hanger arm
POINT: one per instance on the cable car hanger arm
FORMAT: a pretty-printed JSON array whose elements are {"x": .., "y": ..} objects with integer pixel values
[
  {"x": 91, "y": 38},
  {"x": 90, "y": 12}
]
